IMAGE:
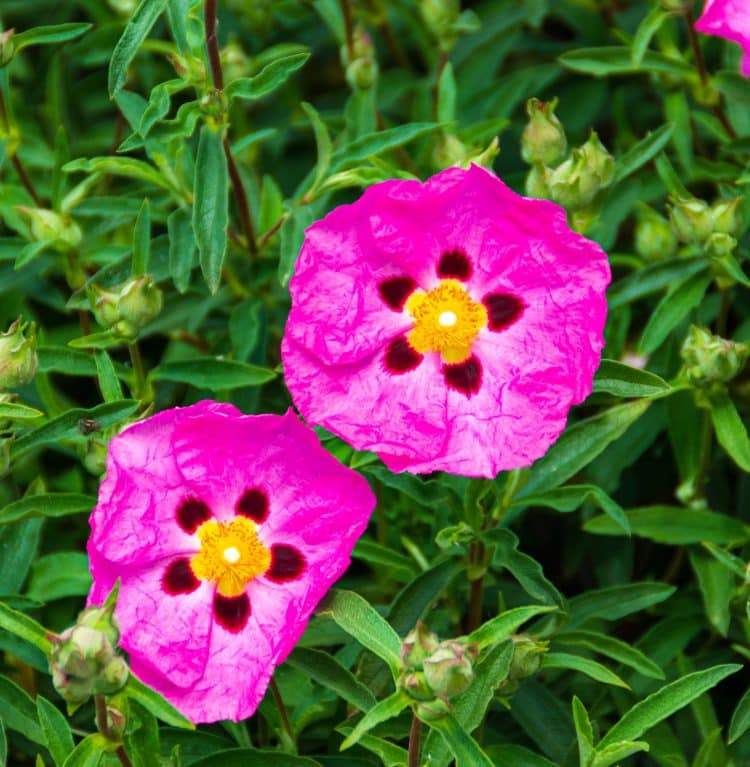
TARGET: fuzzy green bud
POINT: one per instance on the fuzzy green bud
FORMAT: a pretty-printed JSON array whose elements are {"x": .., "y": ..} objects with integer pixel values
[
  {"x": 719, "y": 244},
  {"x": 414, "y": 684},
  {"x": 48, "y": 226},
  {"x": 440, "y": 16},
  {"x": 7, "y": 47},
  {"x": 128, "y": 307},
  {"x": 18, "y": 357},
  {"x": 362, "y": 67},
  {"x": 543, "y": 139},
  {"x": 691, "y": 220},
  {"x": 123, "y": 7},
  {"x": 654, "y": 238},
  {"x": 432, "y": 710},
  {"x": 726, "y": 218},
  {"x": 118, "y": 709},
  {"x": 419, "y": 644},
  {"x": 449, "y": 670},
  {"x": 528, "y": 654},
  {"x": 576, "y": 182},
  {"x": 711, "y": 361}
]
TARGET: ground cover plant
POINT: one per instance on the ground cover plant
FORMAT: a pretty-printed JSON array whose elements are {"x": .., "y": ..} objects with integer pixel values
[{"x": 315, "y": 447}]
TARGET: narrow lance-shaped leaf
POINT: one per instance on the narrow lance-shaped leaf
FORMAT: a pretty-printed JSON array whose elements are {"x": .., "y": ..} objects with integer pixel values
[
  {"x": 142, "y": 240},
  {"x": 624, "y": 381},
  {"x": 181, "y": 247},
  {"x": 271, "y": 77},
  {"x": 211, "y": 204},
  {"x": 154, "y": 703},
  {"x": 49, "y": 35},
  {"x": 381, "y": 712},
  {"x": 467, "y": 751},
  {"x": 584, "y": 733},
  {"x": 740, "y": 722},
  {"x": 501, "y": 627},
  {"x": 26, "y": 628},
  {"x": 323, "y": 143},
  {"x": 592, "y": 668},
  {"x": 730, "y": 430},
  {"x": 56, "y": 731}
]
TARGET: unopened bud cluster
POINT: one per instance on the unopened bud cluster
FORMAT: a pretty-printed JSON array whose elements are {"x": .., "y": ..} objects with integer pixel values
[
  {"x": 577, "y": 181},
  {"x": 84, "y": 661},
  {"x": 59, "y": 230},
  {"x": 711, "y": 361},
  {"x": 128, "y": 307},
  {"x": 714, "y": 228},
  {"x": 445, "y": 20},
  {"x": 18, "y": 357},
  {"x": 434, "y": 672},
  {"x": 360, "y": 63}
]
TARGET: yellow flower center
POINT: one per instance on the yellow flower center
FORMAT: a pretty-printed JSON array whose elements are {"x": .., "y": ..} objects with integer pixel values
[
  {"x": 231, "y": 555},
  {"x": 446, "y": 320}
]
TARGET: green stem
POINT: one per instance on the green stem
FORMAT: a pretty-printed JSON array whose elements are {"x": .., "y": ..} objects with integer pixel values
[
  {"x": 100, "y": 705},
  {"x": 346, "y": 11},
  {"x": 139, "y": 373},
  {"x": 279, "y": 701},
  {"x": 704, "y": 463},
  {"x": 15, "y": 159},
  {"x": 415, "y": 738}
]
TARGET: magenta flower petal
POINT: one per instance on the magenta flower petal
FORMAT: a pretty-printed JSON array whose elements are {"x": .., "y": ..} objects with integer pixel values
[
  {"x": 729, "y": 19},
  {"x": 284, "y": 518},
  {"x": 525, "y": 293}
]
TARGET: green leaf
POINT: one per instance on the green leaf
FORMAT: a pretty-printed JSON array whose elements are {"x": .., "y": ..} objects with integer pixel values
[
  {"x": 14, "y": 411},
  {"x": 57, "y": 735},
  {"x": 271, "y": 77},
  {"x": 211, "y": 204},
  {"x": 181, "y": 247},
  {"x": 123, "y": 166},
  {"x": 26, "y": 628},
  {"x": 18, "y": 543},
  {"x": 104, "y": 340},
  {"x": 60, "y": 574},
  {"x": 664, "y": 702},
  {"x": 446, "y": 109},
  {"x": 572, "y": 497},
  {"x": 584, "y": 733},
  {"x": 652, "y": 279},
  {"x": 381, "y": 712},
  {"x": 136, "y": 31},
  {"x": 526, "y": 570},
  {"x": 502, "y": 626},
  {"x": 466, "y": 750},
  {"x": 730, "y": 430},
  {"x": 646, "y": 30},
  {"x": 323, "y": 144},
  {"x": 212, "y": 373},
  {"x": 153, "y": 702},
  {"x": 674, "y": 307},
  {"x": 3, "y": 745},
  {"x": 670, "y": 178},
  {"x": 675, "y": 525},
  {"x": 740, "y": 722},
  {"x": 245, "y": 757},
  {"x": 624, "y": 381},
  {"x": 717, "y": 586},
  {"x": 88, "y": 752},
  {"x": 592, "y": 668},
  {"x": 142, "y": 240},
  {"x": 327, "y": 671},
  {"x": 616, "y": 752},
  {"x": 507, "y": 755},
  {"x": 615, "y": 602},
  {"x": 142, "y": 740},
  {"x": 390, "y": 755},
  {"x": 359, "y": 619},
  {"x": 291, "y": 236},
  {"x": 580, "y": 444},
  {"x": 375, "y": 554},
  {"x": 109, "y": 383},
  {"x": 373, "y": 144},
  {"x": 616, "y": 60},
  {"x": 644, "y": 151},
  {"x": 49, "y": 35},
  {"x": 613, "y": 648},
  {"x": 18, "y": 711}
]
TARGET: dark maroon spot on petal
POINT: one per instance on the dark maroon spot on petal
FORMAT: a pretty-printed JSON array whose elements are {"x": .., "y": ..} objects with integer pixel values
[
  {"x": 232, "y": 612},
  {"x": 465, "y": 377},
  {"x": 454, "y": 263},
  {"x": 396, "y": 290},
  {"x": 503, "y": 310},
  {"x": 400, "y": 357},
  {"x": 254, "y": 505},
  {"x": 287, "y": 563},
  {"x": 191, "y": 514},
  {"x": 179, "y": 578}
]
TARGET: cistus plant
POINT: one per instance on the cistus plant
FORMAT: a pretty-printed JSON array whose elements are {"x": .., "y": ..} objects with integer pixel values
[{"x": 373, "y": 383}]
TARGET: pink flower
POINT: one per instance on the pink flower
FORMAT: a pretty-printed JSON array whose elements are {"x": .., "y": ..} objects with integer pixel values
[
  {"x": 447, "y": 325},
  {"x": 729, "y": 19},
  {"x": 225, "y": 531}
]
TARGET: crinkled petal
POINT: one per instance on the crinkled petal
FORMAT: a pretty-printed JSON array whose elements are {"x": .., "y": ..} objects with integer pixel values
[{"x": 729, "y": 19}]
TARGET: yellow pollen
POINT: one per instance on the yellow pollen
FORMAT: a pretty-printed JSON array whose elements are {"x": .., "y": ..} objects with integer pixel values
[
  {"x": 446, "y": 320},
  {"x": 231, "y": 555}
]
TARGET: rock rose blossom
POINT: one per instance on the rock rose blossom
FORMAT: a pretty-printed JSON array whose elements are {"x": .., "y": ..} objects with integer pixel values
[
  {"x": 225, "y": 531},
  {"x": 446, "y": 325},
  {"x": 729, "y": 19}
]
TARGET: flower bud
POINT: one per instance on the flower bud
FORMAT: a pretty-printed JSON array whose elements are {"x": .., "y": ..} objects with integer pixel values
[
  {"x": 118, "y": 709},
  {"x": 362, "y": 67},
  {"x": 94, "y": 456},
  {"x": 543, "y": 139},
  {"x": 47, "y": 226},
  {"x": 415, "y": 686},
  {"x": 123, "y": 7},
  {"x": 691, "y": 220},
  {"x": 18, "y": 357},
  {"x": 528, "y": 654},
  {"x": 419, "y": 643},
  {"x": 83, "y": 660},
  {"x": 440, "y": 16},
  {"x": 676, "y": 6},
  {"x": 189, "y": 68},
  {"x": 128, "y": 307},
  {"x": 719, "y": 244},
  {"x": 711, "y": 361},
  {"x": 448, "y": 670},
  {"x": 654, "y": 238},
  {"x": 536, "y": 181},
  {"x": 726, "y": 218},
  {"x": 432, "y": 710},
  {"x": 234, "y": 61},
  {"x": 7, "y": 47},
  {"x": 215, "y": 106},
  {"x": 576, "y": 182}
]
